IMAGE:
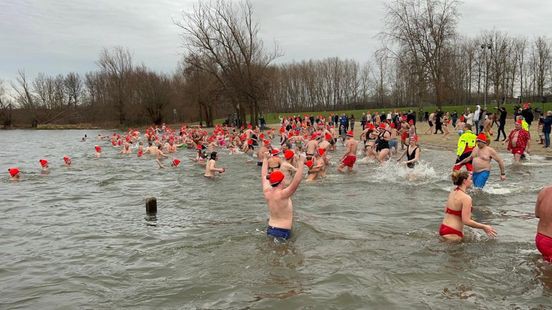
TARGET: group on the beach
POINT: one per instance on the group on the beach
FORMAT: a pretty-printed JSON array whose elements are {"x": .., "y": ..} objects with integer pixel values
[{"x": 305, "y": 142}]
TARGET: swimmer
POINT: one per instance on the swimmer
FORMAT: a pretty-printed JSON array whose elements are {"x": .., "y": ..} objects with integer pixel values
[
  {"x": 458, "y": 210},
  {"x": 15, "y": 174},
  {"x": 349, "y": 158},
  {"x": 412, "y": 153},
  {"x": 543, "y": 211},
  {"x": 481, "y": 157},
  {"x": 316, "y": 167},
  {"x": 175, "y": 162},
  {"x": 211, "y": 168},
  {"x": 98, "y": 151},
  {"x": 159, "y": 155},
  {"x": 67, "y": 160},
  {"x": 140, "y": 149},
  {"x": 126, "y": 149},
  {"x": 44, "y": 165},
  {"x": 278, "y": 198}
]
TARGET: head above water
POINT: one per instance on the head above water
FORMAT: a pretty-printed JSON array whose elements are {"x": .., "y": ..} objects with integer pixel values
[
  {"x": 459, "y": 177},
  {"x": 214, "y": 155}
]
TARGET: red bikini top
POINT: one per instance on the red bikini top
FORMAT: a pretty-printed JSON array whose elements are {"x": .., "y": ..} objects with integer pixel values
[{"x": 454, "y": 212}]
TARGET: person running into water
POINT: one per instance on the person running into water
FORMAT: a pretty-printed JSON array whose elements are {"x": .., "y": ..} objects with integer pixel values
[
  {"x": 382, "y": 143},
  {"x": 466, "y": 144},
  {"x": 458, "y": 210},
  {"x": 278, "y": 199},
  {"x": 211, "y": 166},
  {"x": 518, "y": 141},
  {"x": 481, "y": 161},
  {"x": 543, "y": 211},
  {"x": 412, "y": 153},
  {"x": 348, "y": 160}
]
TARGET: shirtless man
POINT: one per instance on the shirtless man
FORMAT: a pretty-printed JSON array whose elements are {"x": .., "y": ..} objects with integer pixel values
[
  {"x": 543, "y": 211},
  {"x": 159, "y": 155},
  {"x": 278, "y": 199},
  {"x": 518, "y": 141},
  {"x": 211, "y": 167},
  {"x": 126, "y": 149},
  {"x": 311, "y": 147},
  {"x": 349, "y": 158},
  {"x": 481, "y": 161}
]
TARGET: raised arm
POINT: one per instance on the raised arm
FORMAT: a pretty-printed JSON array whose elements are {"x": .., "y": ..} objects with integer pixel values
[
  {"x": 264, "y": 173},
  {"x": 288, "y": 191}
]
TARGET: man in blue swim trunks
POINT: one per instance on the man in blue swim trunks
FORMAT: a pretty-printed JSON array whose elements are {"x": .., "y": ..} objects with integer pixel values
[
  {"x": 481, "y": 157},
  {"x": 278, "y": 198}
]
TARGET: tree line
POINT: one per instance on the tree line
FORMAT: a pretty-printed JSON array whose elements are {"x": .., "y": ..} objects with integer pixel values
[{"x": 227, "y": 71}]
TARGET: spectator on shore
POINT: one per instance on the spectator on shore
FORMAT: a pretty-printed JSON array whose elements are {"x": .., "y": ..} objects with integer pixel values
[
  {"x": 501, "y": 123},
  {"x": 547, "y": 124},
  {"x": 527, "y": 113}
]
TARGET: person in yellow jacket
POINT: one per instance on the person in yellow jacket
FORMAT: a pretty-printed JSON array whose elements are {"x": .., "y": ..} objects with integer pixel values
[{"x": 466, "y": 143}]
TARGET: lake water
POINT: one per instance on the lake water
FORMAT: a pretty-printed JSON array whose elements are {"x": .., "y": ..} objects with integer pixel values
[{"x": 78, "y": 237}]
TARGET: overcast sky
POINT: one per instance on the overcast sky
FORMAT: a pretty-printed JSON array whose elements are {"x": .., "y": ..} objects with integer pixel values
[{"x": 59, "y": 36}]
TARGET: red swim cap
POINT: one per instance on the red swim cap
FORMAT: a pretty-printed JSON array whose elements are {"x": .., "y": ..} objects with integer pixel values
[
  {"x": 275, "y": 151},
  {"x": 98, "y": 148},
  {"x": 266, "y": 142},
  {"x": 321, "y": 152},
  {"x": 199, "y": 147},
  {"x": 392, "y": 125},
  {"x": 276, "y": 177},
  {"x": 382, "y": 125},
  {"x": 175, "y": 162},
  {"x": 328, "y": 136},
  {"x": 350, "y": 133},
  {"x": 43, "y": 163},
  {"x": 13, "y": 171},
  {"x": 250, "y": 141},
  {"x": 482, "y": 137},
  {"x": 67, "y": 159},
  {"x": 309, "y": 163},
  {"x": 288, "y": 154}
]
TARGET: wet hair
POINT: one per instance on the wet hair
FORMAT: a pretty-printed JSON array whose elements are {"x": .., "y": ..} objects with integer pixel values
[
  {"x": 213, "y": 155},
  {"x": 458, "y": 177},
  {"x": 468, "y": 126}
]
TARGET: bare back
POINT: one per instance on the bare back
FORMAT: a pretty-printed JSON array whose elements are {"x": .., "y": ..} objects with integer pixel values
[{"x": 543, "y": 211}]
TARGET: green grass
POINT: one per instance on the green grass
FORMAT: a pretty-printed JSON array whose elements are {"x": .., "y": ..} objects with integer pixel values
[{"x": 273, "y": 118}]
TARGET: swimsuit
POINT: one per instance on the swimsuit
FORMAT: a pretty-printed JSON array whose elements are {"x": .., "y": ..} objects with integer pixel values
[
  {"x": 278, "y": 232},
  {"x": 410, "y": 156},
  {"x": 480, "y": 178},
  {"x": 381, "y": 143},
  {"x": 544, "y": 245},
  {"x": 447, "y": 230},
  {"x": 349, "y": 160}
]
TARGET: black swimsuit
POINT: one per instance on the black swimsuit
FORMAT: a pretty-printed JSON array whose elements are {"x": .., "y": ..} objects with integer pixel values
[
  {"x": 381, "y": 142},
  {"x": 411, "y": 156}
]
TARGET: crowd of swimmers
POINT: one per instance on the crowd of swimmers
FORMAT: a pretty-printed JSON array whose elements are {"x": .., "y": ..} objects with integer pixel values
[{"x": 305, "y": 142}]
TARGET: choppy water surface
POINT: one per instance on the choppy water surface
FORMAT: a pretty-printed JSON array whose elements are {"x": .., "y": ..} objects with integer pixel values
[{"x": 78, "y": 237}]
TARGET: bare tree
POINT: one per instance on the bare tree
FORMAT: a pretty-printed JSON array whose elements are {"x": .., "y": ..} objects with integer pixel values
[
  {"x": 222, "y": 39},
  {"x": 117, "y": 65},
  {"x": 425, "y": 28}
]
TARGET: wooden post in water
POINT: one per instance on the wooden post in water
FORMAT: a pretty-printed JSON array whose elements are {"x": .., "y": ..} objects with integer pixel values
[{"x": 151, "y": 206}]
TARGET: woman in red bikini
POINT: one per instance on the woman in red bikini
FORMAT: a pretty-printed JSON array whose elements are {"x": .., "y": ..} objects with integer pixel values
[{"x": 458, "y": 210}]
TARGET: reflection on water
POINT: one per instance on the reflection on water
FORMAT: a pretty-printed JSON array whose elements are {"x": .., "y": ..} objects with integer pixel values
[{"x": 79, "y": 237}]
